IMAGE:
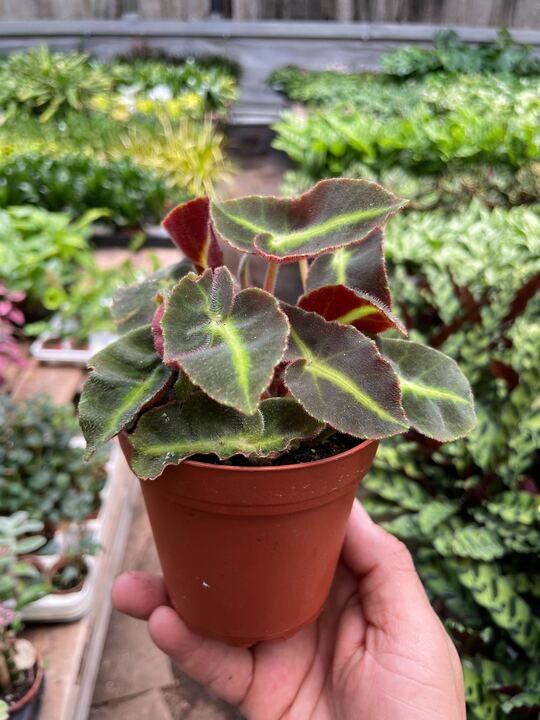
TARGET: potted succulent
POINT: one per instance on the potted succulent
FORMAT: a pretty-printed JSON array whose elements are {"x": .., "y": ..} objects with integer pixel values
[
  {"x": 42, "y": 471},
  {"x": 21, "y": 667},
  {"x": 251, "y": 421}
]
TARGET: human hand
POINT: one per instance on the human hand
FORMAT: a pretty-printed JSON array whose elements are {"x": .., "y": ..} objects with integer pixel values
[{"x": 378, "y": 651}]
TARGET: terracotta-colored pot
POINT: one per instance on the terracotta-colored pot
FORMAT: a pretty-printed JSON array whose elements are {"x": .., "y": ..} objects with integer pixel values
[
  {"x": 249, "y": 553},
  {"x": 27, "y": 708}
]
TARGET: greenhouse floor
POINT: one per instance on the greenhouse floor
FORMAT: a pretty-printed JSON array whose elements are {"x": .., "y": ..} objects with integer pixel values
[{"x": 136, "y": 680}]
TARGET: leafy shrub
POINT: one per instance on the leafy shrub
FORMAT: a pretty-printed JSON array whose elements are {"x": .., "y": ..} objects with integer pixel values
[
  {"x": 185, "y": 157},
  {"x": 468, "y": 284},
  {"x": 84, "y": 308},
  {"x": 468, "y": 119},
  {"x": 189, "y": 155},
  {"x": 76, "y": 183},
  {"x": 454, "y": 188},
  {"x": 316, "y": 88},
  {"x": 451, "y": 54},
  {"x": 42, "y": 253},
  {"x": 211, "y": 83},
  {"x": 47, "y": 83},
  {"x": 41, "y": 471}
]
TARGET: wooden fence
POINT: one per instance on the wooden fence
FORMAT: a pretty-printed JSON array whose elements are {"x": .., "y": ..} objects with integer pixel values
[{"x": 490, "y": 13}]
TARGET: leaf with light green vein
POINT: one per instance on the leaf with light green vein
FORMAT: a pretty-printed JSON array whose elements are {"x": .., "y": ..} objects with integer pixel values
[
  {"x": 495, "y": 593},
  {"x": 334, "y": 213},
  {"x": 441, "y": 583},
  {"x": 359, "y": 267},
  {"x": 477, "y": 543},
  {"x": 404, "y": 526},
  {"x": 482, "y": 703},
  {"x": 517, "y": 506},
  {"x": 127, "y": 376},
  {"x": 134, "y": 306},
  {"x": 437, "y": 396},
  {"x": 340, "y": 378},
  {"x": 227, "y": 344},
  {"x": 397, "y": 488},
  {"x": 169, "y": 434},
  {"x": 434, "y": 513}
]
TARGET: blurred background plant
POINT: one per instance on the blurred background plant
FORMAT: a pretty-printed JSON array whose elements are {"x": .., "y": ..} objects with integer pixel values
[
  {"x": 451, "y": 54},
  {"x": 76, "y": 183},
  {"x": 11, "y": 322},
  {"x": 42, "y": 468},
  {"x": 134, "y": 137},
  {"x": 42, "y": 254},
  {"x": 20, "y": 584},
  {"x": 470, "y": 510},
  {"x": 46, "y": 83}
]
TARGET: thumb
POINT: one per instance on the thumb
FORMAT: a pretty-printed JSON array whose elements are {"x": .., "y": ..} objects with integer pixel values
[{"x": 390, "y": 590}]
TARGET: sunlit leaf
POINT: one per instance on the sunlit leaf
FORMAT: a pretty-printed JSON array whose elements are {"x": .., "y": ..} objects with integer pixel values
[
  {"x": 127, "y": 376},
  {"x": 334, "y": 213},
  {"x": 437, "y": 396},
  {"x": 228, "y": 345},
  {"x": 340, "y": 378},
  {"x": 169, "y": 434}
]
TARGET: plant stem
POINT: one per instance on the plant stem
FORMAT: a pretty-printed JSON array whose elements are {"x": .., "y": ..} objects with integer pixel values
[
  {"x": 243, "y": 273},
  {"x": 271, "y": 276},
  {"x": 304, "y": 267}
]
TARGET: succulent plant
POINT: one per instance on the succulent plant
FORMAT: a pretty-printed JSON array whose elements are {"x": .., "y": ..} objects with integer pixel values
[
  {"x": 198, "y": 371},
  {"x": 41, "y": 471},
  {"x": 20, "y": 584}
]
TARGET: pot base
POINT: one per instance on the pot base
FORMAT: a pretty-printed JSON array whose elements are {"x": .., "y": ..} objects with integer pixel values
[{"x": 249, "y": 642}]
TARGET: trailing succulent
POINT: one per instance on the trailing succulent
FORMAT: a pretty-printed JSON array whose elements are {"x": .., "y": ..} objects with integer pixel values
[
  {"x": 41, "y": 471},
  {"x": 210, "y": 365},
  {"x": 469, "y": 285}
]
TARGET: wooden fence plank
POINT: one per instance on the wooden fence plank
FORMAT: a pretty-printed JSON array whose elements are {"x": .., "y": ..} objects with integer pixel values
[{"x": 493, "y": 13}]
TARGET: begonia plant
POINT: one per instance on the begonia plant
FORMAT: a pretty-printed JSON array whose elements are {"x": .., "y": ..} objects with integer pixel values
[{"x": 208, "y": 364}]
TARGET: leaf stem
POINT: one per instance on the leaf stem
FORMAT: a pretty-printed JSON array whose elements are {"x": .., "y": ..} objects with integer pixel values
[
  {"x": 304, "y": 267},
  {"x": 243, "y": 273},
  {"x": 271, "y": 276}
]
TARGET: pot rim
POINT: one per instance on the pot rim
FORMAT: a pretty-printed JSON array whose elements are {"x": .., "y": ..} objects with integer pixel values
[{"x": 277, "y": 468}]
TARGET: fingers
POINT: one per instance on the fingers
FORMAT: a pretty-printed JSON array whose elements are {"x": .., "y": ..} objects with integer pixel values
[
  {"x": 390, "y": 590},
  {"x": 225, "y": 670},
  {"x": 138, "y": 594}
]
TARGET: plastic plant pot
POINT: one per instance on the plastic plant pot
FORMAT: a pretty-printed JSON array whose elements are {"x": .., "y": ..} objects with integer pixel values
[{"x": 249, "y": 553}]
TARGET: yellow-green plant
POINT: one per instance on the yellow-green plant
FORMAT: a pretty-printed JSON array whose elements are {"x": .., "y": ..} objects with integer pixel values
[
  {"x": 46, "y": 83},
  {"x": 189, "y": 154}
]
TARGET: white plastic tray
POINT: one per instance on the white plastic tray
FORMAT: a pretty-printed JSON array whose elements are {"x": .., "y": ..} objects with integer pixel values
[
  {"x": 65, "y": 353},
  {"x": 67, "y": 607}
]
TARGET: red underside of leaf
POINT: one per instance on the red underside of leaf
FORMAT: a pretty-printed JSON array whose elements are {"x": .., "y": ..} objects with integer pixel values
[
  {"x": 334, "y": 302},
  {"x": 277, "y": 387},
  {"x": 189, "y": 228}
]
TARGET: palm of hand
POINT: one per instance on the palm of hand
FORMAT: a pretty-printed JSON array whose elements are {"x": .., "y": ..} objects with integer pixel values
[
  {"x": 355, "y": 662},
  {"x": 377, "y": 652}
]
